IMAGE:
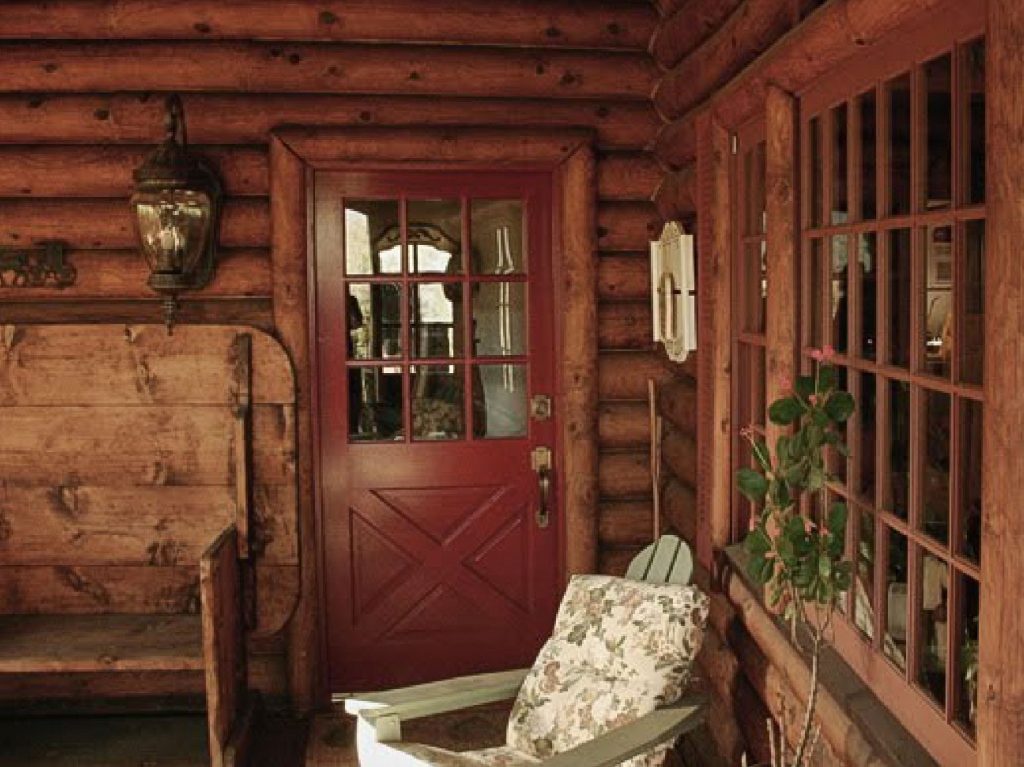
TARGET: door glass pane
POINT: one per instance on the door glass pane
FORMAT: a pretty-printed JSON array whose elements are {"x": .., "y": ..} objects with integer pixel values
[
  {"x": 434, "y": 232},
  {"x": 817, "y": 172},
  {"x": 864, "y": 582},
  {"x": 755, "y": 286},
  {"x": 813, "y": 294},
  {"x": 895, "y": 641},
  {"x": 500, "y": 405},
  {"x": 972, "y": 343},
  {"x": 375, "y": 404},
  {"x": 864, "y": 452},
  {"x": 938, "y": 182},
  {"x": 973, "y": 78},
  {"x": 437, "y": 403},
  {"x": 758, "y": 395},
  {"x": 374, "y": 320},
  {"x": 373, "y": 237},
  {"x": 840, "y": 165},
  {"x": 966, "y": 657},
  {"x": 934, "y": 606},
  {"x": 898, "y": 92},
  {"x": 935, "y": 480},
  {"x": 969, "y": 465},
  {"x": 898, "y": 485},
  {"x": 435, "y": 315},
  {"x": 499, "y": 318},
  {"x": 899, "y": 297},
  {"x": 867, "y": 260},
  {"x": 840, "y": 308},
  {"x": 499, "y": 242},
  {"x": 756, "y": 203},
  {"x": 868, "y": 155},
  {"x": 938, "y": 318}
]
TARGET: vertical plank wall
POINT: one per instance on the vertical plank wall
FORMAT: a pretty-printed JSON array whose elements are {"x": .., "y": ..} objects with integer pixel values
[{"x": 82, "y": 84}]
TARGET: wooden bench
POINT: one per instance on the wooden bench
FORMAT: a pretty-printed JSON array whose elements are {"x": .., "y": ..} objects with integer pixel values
[{"x": 123, "y": 454}]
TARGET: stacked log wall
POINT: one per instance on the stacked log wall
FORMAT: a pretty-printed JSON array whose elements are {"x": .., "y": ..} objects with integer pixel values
[{"x": 82, "y": 85}]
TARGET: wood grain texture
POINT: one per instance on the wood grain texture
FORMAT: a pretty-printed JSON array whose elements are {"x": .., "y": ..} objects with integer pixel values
[
  {"x": 239, "y": 118},
  {"x": 110, "y": 643},
  {"x": 626, "y": 226},
  {"x": 624, "y": 374},
  {"x": 59, "y": 67},
  {"x": 693, "y": 22},
  {"x": 677, "y": 403},
  {"x": 1001, "y": 683},
  {"x": 624, "y": 424},
  {"x": 676, "y": 195},
  {"x": 679, "y": 506},
  {"x": 624, "y": 277},
  {"x": 625, "y": 474},
  {"x": 612, "y": 24},
  {"x": 626, "y": 523},
  {"x": 254, "y": 312},
  {"x": 223, "y": 641},
  {"x": 679, "y": 452},
  {"x": 625, "y": 326}
]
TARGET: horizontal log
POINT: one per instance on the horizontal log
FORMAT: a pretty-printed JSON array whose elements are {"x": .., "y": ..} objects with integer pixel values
[
  {"x": 122, "y": 274},
  {"x": 624, "y": 277},
  {"x": 616, "y": 561},
  {"x": 543, "y": 23},
  {"x": 627, "y": 175},
  {"x": 106, "y": 171},
  {"x": 747, "y": 33},
  {"x": 624, "y": 474},
  {"x": 624, "y": 326},
  {"x": 256, "y": 312},
  {"x": 679, "y": 451},
  {"x": 679, "y": 508},
  {"x": 323, "y": 68},
  {"x": 624, "y": 424},
  {"x": 624, "y": 374},
  {"x": 677, "y": 404},
  {"x": 236, "y": 118},
  {"x": 106, "y": 224},
  {"x": 136, "y": 589},
  {"x": 687, "y": 27},
  {"x": 165, "y": 526},
  {"x": 48, "y": 366},
  {"x": 144, "y": 445},
  {"x": 676, "y": 196},
  {"x": 627, "y": 226},
  {"x": 676, "y": 143},
  {"x": 625, "y": 523}
]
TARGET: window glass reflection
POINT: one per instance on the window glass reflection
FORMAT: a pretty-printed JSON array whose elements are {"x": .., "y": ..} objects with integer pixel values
[
  {"x": 899, "y": 297},
  {"x": 867, "y": 268},
  {"x": 898, "y": 486},
  {"x": 973, "y": 78},
  {"x": 898, "y": 92},
  {"x": 938, "y": 320},
  {"x": 938, "y": 170},
  {"x": 864, "y": 581},
  {"x": 966, "y": 656},
  {"x": 840, "y": 306},
  {"x": 434, "y": 232},
  {"x": 840, "y": 165},
  {"x": 895, "y": 641},
  {"x": 971, "y": 457},
  {"x": 437, "y": 402},
  {"x": 935, "y": 478},
  {"x": 372, "y": 237},
  {"x": 934, "y": 617},
  {"x": 435, "y": 315},
  {"x": 375, "y": 404},
  {"x": 499, "y": 242},
  {"x": 972, "y": 342},
  {"x": 504, "y": 408},
  {"x": 499, "y": 319},
  {"x": 374, "y": 320},
  {"x": 868, "y": 155}
]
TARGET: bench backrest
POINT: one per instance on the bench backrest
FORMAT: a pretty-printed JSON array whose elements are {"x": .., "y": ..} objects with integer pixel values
[
  {"x": 667, "y": 560},
  {"x": 124, "y": 452}
]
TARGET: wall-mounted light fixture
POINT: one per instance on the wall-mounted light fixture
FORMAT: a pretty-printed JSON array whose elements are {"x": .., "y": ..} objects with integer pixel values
[
  {"x": 177, "y": 209},
  {"x": 673, "y": 292}
]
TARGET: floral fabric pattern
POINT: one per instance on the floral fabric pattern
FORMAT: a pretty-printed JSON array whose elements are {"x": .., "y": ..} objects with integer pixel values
[
  {"x": 502, "y": 756},
  {"x": 620, "y": 649}
]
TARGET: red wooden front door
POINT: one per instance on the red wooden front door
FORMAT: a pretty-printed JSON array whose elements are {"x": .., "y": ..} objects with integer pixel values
[{"x": 434, "y": 326}]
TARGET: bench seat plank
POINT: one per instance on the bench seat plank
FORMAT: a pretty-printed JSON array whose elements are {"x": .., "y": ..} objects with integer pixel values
[{"x": 90, "y": 643}]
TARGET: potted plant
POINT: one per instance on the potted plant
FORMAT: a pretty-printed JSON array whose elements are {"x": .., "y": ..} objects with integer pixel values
[{"x": 795, "y": 544}]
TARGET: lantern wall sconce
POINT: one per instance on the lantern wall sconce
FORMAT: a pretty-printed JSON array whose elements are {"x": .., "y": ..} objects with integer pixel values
[
  {"x": 673, "y": 290},
  {"x": 176, "y": 209}
]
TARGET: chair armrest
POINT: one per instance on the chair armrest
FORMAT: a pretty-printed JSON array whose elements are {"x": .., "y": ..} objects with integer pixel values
[
  {"x": 638, "y": 737},
  {"x": 385, "y": 711}
]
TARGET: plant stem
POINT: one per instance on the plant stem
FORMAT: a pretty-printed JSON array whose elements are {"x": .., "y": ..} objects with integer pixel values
[{"x": 812, "y": 700}]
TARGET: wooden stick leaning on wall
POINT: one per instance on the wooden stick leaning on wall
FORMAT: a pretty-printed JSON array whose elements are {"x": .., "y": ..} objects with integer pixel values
[
  {"x": 652, "y": 399},
  {"x": 242, "y": 350}
]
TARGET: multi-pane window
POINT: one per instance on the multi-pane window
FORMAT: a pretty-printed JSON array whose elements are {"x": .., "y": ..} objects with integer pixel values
[
  {"x": 750, "y": 294},
  {"x": 892, "y": 278}
]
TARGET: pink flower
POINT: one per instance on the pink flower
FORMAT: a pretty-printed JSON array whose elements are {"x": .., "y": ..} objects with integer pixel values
[
  {"x": 809, "y": 525},
  {"x": 828, "y": 354},
  {"x": 814, "y": 399},
  {"x": 748, "y": 433},
  {"x": 816, "y": 354}
]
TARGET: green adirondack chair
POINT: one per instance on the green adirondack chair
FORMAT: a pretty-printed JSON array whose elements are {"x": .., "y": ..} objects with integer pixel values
[{"x": 652, "y": 607}]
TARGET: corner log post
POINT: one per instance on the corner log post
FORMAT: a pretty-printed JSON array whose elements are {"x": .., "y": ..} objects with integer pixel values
[{"x": 1001, "y": 675}]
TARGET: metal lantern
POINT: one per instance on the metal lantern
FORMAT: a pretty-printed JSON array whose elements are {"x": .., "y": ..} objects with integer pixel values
[{"x": 177, "y": 208}]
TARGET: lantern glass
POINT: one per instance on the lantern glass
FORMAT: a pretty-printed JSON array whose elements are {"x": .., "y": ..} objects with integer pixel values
[{"x": 174, "y": 230}]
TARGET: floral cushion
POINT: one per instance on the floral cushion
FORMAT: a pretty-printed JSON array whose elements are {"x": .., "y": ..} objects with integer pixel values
[
  {"x": 502, "y": 756},
  {"x": 620, "y": 649}
]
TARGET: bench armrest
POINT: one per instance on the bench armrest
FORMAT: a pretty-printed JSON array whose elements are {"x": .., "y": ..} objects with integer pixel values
[{"x": 661, "y": 726}]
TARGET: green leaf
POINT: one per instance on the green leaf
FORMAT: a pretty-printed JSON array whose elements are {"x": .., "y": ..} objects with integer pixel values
[
  {"x": 840, "y": 406},
  {"x": 826, "y": 378},
  {"x": 752, "y": 484},
  {"x": 764, "y": 459},
  {"x": 805, "y": 386},
  {"x": 837, "y": 515},
  {"x": 757, "y": 542},
  {"x": 785, "y": 411}
]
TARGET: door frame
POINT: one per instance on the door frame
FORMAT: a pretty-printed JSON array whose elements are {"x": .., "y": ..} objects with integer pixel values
[{"x": 295, "y": 154}]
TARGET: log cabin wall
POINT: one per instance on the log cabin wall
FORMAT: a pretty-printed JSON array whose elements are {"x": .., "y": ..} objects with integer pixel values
[{"x": 82, "y": 85}]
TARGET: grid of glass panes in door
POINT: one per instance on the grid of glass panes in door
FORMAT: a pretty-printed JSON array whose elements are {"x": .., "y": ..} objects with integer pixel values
[
  {"x": 413, "y": 298},
  {"x": 894, "y": 225},
  {"x": 750, "y": 299}
]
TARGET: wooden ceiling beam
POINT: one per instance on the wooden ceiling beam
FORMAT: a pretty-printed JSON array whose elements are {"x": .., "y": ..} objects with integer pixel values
[
  {"x": 68, "y": 67},
  {"x": 602, "y": 24},
  {"x": 690, "y": 25}
]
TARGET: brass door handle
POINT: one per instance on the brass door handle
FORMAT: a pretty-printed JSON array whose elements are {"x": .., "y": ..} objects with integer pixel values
[{"x": 540, "y": 459}]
